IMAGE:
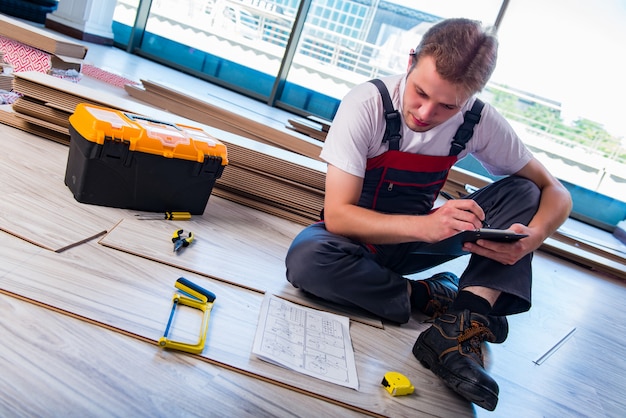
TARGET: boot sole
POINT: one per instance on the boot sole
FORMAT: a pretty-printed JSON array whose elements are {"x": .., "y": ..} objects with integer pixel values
[{"x": 481, "y": 396}]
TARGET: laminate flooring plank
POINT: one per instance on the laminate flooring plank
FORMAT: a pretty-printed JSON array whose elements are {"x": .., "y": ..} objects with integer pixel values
[
  {"x": 55, "y": 365},
  {"x": 14, "y": 252},
  {"x": 275, "y": 191},
  {"x": 230, "y": 244},
  {"x": 37, "y": 206},
  {"x": 133, "y": 295},
  {"x": 263, "y": 205}
]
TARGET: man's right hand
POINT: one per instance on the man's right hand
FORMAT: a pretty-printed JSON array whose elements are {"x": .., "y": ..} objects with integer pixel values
[
  {"x": 344, "y": 217},
  {"x": 453, "y": 217}
]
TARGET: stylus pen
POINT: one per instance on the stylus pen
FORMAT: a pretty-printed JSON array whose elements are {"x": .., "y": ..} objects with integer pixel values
[
  {"x": 450, "y": 197},
  {"x": 446, "y": 195}
]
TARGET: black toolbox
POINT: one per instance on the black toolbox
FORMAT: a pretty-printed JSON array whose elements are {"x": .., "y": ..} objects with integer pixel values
[{"x": 124, "y": 160}]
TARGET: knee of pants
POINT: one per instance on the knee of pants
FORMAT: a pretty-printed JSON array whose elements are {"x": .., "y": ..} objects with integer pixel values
[
  {"x": 526, "y": 189},
  {"x": 511, "y": 200},
  {"x": 316, "y": 259},
  {"x": 527, "y": 197},
  {"x": 300, "y": 259}
]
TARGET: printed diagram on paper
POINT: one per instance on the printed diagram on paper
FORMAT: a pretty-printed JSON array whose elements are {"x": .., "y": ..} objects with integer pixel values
[{"x": 309, "y": 341}]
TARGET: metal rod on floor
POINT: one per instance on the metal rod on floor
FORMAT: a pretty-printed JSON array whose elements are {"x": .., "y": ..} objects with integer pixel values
[{"x": 554, "y": 348}]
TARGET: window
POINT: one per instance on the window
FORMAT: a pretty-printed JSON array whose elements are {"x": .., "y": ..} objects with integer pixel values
[
  {"x": 561, "y": 59},
  {"x": 557, "y": 79}
]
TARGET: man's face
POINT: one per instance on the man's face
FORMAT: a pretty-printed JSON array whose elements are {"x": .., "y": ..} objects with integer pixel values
[{"x": 428, "y": 99}]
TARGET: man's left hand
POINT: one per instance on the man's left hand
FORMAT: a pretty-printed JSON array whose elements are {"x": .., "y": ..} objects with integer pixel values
[{"x": 507, "y": 253}]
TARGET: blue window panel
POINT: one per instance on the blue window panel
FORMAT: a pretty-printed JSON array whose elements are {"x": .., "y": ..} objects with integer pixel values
[
  {"x": 595, "y": 208},
  {"x": 173, "y": 51},
  {"x": 309, "y": 100},
  {"x": 121, "y": 33},
  {"x": 227, "y": 71},
  {"x": 243, "y": 77},
  {"x": 212, "y": 65}
]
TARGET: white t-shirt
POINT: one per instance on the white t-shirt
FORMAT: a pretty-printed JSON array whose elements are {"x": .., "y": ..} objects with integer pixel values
[{"x": 359, "y": 125}]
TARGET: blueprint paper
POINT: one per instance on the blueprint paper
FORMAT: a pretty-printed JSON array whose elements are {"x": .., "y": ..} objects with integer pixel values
[{"x": 306, "y": 340}]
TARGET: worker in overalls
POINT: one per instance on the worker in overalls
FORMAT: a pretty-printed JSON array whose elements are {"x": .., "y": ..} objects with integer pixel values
[{"x": 389, "y": 151}]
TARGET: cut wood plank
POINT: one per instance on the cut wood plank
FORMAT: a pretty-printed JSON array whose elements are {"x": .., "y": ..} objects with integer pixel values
[
  {"x": 6, "y": 80},
  {"x": 274, "y": 190},
  {"x": 66, "y": 95},
  {"x": 587, "y": 258},
  {"x": 325, "y": 123},
  {"x": 313, "y": 129},
  {"x": 262, "y": 205},
  {"x": 43, "y": 124},
  {"x": 613, "y": 251},
  {"x": 36, "y": 109}
]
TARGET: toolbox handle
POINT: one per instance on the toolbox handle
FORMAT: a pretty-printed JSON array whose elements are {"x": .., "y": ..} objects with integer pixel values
[{"x": 137, "y": 117}]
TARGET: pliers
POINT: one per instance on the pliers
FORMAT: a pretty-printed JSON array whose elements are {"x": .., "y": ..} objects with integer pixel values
[{"x": 181, "y": 241}]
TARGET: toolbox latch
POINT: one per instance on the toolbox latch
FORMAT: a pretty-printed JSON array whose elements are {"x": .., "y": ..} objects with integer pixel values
[
  {"x": 117, "y": 149},
  {"x": 210, "y": 165}
]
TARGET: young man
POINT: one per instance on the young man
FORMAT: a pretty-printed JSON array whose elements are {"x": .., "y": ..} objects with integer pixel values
[{"x": 379, "y": 199}]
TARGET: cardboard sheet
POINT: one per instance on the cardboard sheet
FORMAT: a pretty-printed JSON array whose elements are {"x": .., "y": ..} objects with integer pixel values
[{"x": 40, "y": 39}]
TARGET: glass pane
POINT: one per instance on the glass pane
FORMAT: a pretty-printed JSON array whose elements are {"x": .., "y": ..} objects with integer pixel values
[
  {"x": 123, "y": 20},
  {"x": 241, "y": 42},
  {"x": 561, "y": 61},
  {"x": 345, "y": 43}
]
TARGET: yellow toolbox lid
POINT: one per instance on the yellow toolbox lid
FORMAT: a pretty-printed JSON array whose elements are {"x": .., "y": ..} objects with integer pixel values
[{"x": 96, "y": 124}]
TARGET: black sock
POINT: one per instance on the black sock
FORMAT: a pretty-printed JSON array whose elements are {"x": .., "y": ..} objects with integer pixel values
[
  {"x": 419, "y": 294},
  {"x": 472, "y": 302}
]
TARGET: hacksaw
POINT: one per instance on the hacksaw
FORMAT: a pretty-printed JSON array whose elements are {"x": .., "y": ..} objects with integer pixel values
[{"x": 203, "y": 300}]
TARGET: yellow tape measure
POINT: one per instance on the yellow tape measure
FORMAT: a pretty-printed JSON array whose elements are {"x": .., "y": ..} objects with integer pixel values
[{"x": 397, "y": 384}]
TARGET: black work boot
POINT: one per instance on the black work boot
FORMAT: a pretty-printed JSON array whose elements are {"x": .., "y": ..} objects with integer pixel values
[
  {"x": 442, "y": 288},
  {"x": 499, "y": 325},
  {"x": 451, "y": 348}
]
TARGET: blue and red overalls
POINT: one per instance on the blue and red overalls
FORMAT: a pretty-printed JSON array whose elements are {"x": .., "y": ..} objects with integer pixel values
[{"x": 371, "y": 277}]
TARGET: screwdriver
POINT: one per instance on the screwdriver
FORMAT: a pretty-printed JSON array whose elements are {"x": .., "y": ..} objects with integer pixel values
[{"x": 169, "y": 216}]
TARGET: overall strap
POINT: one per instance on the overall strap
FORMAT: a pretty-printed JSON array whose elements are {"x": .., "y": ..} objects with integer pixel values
[
  {"x": 392, "y": 117},
  {"x": 466, "y": 130}
]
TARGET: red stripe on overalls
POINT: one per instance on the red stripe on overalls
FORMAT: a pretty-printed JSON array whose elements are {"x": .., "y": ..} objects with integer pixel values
[{"x": 411, "y": 163}]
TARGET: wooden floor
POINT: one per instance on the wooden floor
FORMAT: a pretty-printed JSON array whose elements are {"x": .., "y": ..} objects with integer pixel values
[{"x": 86, "y": 293}]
